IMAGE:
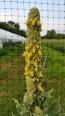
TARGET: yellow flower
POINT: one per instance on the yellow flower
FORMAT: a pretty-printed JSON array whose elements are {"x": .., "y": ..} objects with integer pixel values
[
  {"x": 32, "y": 61},
  {"x": 40, "y": 87},
  {"x": 25, "y": 54},
  {"x": 35, "y": 64},
  {"x": 33, "y": 22},
  {"x": 28, "y": 63},
  {"x": 34, "y": 41},
  {"x": 33, "y": 50},
  {"x": 26, "y": 73},
  {"x": 39, "y": 52},
  {"x": 32, "y": 74},
  {"x": 37, "y": 79},
  {"x": 37, "y": 46},
  {"x": 40, "y": 74},
  {"x": 31, "y": 44},
  {"x": 29, "y": 54},
  {"x": 26, "y": 68},
  {"x": 34, "y": 79},
  {"x": 27, "y": 77},
  {"x": 36, "y": 69},
  {"x": 27, "y": 48}
]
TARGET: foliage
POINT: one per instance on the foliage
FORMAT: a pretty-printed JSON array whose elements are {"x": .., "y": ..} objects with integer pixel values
[
  {"x": 13, "y": 81},
  {"x": 55, "y": 44},
  {"x": 51, "y": 34},
  {"x": 12, "y": 27},
  {"x": 11, "y": 48},
  {"x": 52, "y": 109}
]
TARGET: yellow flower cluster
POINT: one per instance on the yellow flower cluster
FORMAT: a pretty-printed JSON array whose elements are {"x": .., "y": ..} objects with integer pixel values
[
  {"x": 39, "y": 52},
  {"x": 32, "y": 73},
  {"x": 35, "y": 64},
  {"x": 36, "y": 69},
  {"x": 27, "y": 48},
  {"x": 40, "y": 87},
  {"x": 40, "y": 74},
  {"x": 26, "y": 73},
  {"x": 35, "y": 79},
  {"x": 28, "y": 63},
  {"x": 33, "y": 22},
  {"x": 25, "y": 54},
  {"x": 33, "y": 52},
  {"x": 29, "y": 55}
]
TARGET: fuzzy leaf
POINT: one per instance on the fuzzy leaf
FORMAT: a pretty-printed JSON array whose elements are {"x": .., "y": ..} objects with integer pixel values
[
  {"x": 28, "y": 99},
  {"x": 30, "y": 85},
  {"x": 13, "y": 114},
  {"x": 20, "y": 108},
  {"x": 63, "y": 114},
  {"x": 48, "y": 94},
  {"x": 46, "y": 115},
  {"x": 38, "y": 111},
  {"x": 54, "y": 109},
  {"x": 26, "y": 114}
]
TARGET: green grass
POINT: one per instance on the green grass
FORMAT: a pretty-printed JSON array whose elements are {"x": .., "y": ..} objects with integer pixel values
[
  {"x": 55, "y": 44},
  {"x": 12, "y": 84},
  {"x": 55, "y": 64},
  {"x": 54, "y": 73},
  {"x": 12, "y": 81}
]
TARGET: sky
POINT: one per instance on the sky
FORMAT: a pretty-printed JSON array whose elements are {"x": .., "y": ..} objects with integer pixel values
[{"x": 52, "y": 13}]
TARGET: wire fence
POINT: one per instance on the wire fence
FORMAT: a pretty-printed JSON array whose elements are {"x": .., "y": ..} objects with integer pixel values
[{"x": 13, "y": 15}]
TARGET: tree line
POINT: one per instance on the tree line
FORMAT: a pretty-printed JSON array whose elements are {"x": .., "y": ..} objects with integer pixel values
[
  {"x": 51, "y": 34},
  {"x": 12, "y": 27}
]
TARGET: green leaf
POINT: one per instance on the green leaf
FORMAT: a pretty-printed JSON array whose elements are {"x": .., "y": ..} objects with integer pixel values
[
  {"x": 26, "y": 114},
  {"x": 54, "y": 109},
  {"x": 63, "y": 114},
  {"x": 13, "y": 114},
  {"x": 37, "y": 111},
  {"x": 20, "y": 108},
  {"x": 46, "y": 115},
  {"x": 48, "y": 94}
]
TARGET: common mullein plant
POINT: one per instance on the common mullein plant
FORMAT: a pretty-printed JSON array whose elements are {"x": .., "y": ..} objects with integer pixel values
[{"x": 36, "y": 100}]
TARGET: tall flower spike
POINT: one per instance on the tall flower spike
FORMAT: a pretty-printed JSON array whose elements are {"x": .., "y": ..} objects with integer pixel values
[
  {"x": 35, "y": 101},
  {"x": 33, "y": 51}
]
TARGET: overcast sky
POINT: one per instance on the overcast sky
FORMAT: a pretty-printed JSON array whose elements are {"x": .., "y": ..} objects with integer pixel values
[{"x": 51, "y": 12}]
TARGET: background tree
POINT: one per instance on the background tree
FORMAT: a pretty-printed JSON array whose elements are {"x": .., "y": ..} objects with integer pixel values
[
  {"x": 13, "y": 27},
  {"x": 51, "y": 34},
  {"x": 17, "y": 26},
  {"x": 11, "y": 24}
]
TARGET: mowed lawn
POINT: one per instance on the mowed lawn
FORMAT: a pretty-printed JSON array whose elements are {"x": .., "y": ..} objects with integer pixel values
[{"x": 12, "y": 81}]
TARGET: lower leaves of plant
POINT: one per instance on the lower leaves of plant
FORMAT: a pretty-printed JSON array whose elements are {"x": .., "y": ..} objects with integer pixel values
[
  {"x": 42, "y": 109},
  {"x": 36, "y": 99}
]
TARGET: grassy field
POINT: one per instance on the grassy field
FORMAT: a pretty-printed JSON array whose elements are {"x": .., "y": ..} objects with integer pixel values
[
  {"x": 55, "y": 44},
  {"x": 12, "y": 81}
]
